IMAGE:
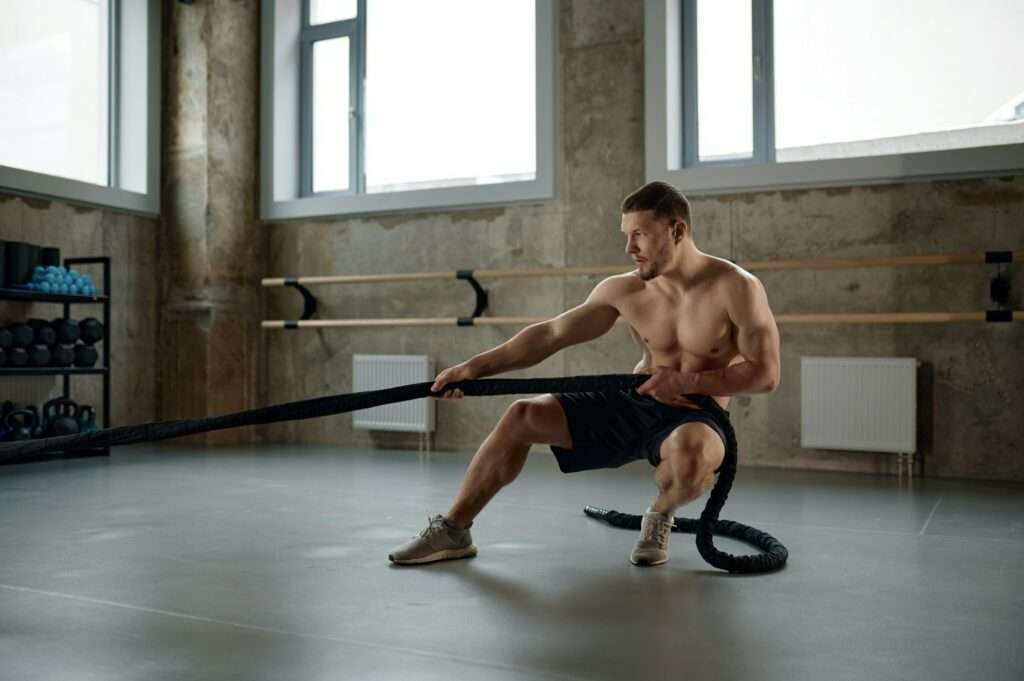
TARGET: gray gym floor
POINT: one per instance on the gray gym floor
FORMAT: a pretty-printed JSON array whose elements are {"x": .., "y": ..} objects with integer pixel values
[{"x": 178, "y": 563}]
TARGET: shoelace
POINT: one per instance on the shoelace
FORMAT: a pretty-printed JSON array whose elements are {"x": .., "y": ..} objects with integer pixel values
[
  {"x": 657, "y": 530},
  {"x": 432, "y": 523}
]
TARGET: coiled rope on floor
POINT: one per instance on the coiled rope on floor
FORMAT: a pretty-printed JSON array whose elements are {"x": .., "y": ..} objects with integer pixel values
[{"x": 705, "y": 527}]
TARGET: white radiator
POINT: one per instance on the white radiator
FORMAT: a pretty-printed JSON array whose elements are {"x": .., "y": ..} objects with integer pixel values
[
  {"x": 375, "y": 372},
  {"x": 859, "y": 403}
]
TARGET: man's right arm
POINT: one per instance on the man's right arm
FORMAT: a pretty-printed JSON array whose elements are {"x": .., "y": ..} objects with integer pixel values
[{"x": 589, "y": 320}]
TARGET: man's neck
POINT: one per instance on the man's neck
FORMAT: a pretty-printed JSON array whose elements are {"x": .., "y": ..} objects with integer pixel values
[{"x": 685, "y": 268}]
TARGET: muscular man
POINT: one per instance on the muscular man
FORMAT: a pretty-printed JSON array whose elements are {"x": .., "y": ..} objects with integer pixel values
[{"x": 705, "y": 327}]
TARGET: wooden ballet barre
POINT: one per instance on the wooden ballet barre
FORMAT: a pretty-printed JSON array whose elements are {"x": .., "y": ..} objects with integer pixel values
[
  {"x": 816, "y": 318},
  {"x": 420, "y": 276},
  {"x": 988, "y": 257}
]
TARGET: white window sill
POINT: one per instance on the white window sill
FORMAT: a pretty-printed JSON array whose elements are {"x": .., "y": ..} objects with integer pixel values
[{"x": 51, "y": 187}]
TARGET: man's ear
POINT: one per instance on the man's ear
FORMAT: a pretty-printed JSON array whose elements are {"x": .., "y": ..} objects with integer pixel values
[{"x": 678, "y": 229}]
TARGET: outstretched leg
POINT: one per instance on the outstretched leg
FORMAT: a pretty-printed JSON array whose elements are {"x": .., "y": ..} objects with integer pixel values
[
  {"x": 498, "y": 461},
  {"x": 501, "y": 457}
]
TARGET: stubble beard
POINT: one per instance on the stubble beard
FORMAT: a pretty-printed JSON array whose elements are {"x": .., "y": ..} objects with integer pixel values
[{"x": 646, "y": 274}]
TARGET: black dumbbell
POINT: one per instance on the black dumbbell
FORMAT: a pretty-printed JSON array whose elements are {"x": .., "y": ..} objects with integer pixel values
[
  {"x": 16, "y": 357},
  {"x": 67, "y": 330},
  {"x": 85, "y": 355},
  {"x": 22, "y": 335},
  {"x": 38, "y": 355},
  {"x": 45, "y": 335},
  {"x": 92, "y": 330},
  {"x": 62, "y": 355},
  {"x": 6, "y": 338}
]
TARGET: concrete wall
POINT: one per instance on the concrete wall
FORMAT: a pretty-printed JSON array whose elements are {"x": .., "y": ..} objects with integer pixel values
[
  {"x": 211, "y": 245},
  {"x": 970, "y": 397},
  {"x": 187, "y": 300},
  {"x": 130, "y": 242}
]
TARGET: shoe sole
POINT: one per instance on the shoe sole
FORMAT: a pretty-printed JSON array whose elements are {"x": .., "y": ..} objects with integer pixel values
[
  {"x": 648, "y": 563},
  {"x": 447, "y": 554}
]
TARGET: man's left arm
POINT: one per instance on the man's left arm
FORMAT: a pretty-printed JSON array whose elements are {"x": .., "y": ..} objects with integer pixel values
[{"x": 757, "y": 340}]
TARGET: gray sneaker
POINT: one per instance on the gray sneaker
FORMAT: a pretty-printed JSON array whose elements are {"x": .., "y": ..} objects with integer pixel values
[
  {"x": 652, "y": 547},
  {"x": 439, "y": 541}
]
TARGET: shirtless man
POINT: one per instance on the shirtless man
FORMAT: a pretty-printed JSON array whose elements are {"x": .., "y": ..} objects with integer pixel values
[{"x": 705, "y": 327}]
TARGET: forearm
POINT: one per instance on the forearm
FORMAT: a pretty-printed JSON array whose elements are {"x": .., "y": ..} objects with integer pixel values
[
  {"x": 530, "y": 346},
  {"x": 738, "y": 379}
]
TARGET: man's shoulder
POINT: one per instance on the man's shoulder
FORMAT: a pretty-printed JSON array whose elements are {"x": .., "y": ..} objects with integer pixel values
[
  {"x": 611, "y": 290},
  {"x": 619, "y": 284},
  {"x": 728, "y": 273}
]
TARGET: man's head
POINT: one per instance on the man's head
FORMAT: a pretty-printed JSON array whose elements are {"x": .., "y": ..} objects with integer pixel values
[{"x": 656, "y": 222}]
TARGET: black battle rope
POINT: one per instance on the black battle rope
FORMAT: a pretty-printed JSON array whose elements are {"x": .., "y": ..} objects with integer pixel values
[{"x": 708, "y": 525}]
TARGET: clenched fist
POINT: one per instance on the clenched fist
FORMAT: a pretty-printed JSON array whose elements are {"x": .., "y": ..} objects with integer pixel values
[{"x": 459, "y": 372}]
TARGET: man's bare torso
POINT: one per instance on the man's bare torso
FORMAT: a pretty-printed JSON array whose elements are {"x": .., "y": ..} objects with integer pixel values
[{"x": 687, "y": 330}]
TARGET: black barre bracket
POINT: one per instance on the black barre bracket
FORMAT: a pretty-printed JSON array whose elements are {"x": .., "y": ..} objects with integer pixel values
[
  {"x": 998, "y": 315},
  {"x": 481, "y": 297},
  {"x": 308, "y": 300},
  {"x": 999, "y": 286}
]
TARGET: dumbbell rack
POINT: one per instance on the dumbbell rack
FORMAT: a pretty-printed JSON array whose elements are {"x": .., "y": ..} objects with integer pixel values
[{"x": 22, "y": 295}]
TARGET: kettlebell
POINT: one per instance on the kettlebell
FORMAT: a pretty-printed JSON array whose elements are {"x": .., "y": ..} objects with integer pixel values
[
  {"x": 37, "y": 428},
  {"x": 5, "y": 432},
  {"x": 21, "y": 423},
  {"x": 60, "y": 417},
  {"x": 87, "y": 419}
]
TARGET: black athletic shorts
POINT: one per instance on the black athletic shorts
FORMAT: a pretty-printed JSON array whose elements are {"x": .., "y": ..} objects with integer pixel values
[{"x": 609, "y": 429}]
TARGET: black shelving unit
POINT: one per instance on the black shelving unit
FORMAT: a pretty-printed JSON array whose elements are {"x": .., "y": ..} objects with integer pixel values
[{"x": 22, "y": 295}]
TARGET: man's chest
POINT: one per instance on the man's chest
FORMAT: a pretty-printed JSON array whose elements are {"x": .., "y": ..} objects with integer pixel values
[{"x": 693, "y": 325}]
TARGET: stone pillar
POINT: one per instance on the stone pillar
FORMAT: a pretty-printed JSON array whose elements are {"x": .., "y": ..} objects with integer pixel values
[{"x": 211, "y": 246}]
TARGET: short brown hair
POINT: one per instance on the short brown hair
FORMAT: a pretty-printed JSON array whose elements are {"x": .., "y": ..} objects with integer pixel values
[{"x": 667, "y": 202}]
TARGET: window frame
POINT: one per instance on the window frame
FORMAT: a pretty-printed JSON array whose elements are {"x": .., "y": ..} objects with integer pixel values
[
  {"x": 285, "y": 142},
  {"x": 355, "y": 31},
  {"x": 670, "y": 124},
  {"x": 133, "y": 121}
]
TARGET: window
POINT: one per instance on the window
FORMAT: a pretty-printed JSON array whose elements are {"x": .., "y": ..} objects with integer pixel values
[
  {"x": 405, "y": 105},
  {"x": 937, "y": 76},
  {"x": 54, "y": 73},
  {"x": 81, "y": 96},
  {"x": 745, "y": 95}
]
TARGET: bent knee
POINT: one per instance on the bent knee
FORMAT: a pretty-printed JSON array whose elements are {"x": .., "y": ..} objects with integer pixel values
[
  {"x": 690, "y": 438},
  {"x": 693, "y": 453},
  {"x": 538, "y": 420},
  {"x": 519, "y": 413}
]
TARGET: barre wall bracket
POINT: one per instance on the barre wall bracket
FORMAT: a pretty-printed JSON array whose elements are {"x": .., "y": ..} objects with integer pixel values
[
  {"x": 481, "y": 296},
  {"x": 308, "y": 299}
]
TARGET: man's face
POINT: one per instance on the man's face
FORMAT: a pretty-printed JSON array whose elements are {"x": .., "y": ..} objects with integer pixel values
[{"x": 648, "y": 242}]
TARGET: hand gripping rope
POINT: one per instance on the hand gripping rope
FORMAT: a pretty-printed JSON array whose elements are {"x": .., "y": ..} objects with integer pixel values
[{"x": 708, "y": 525}]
